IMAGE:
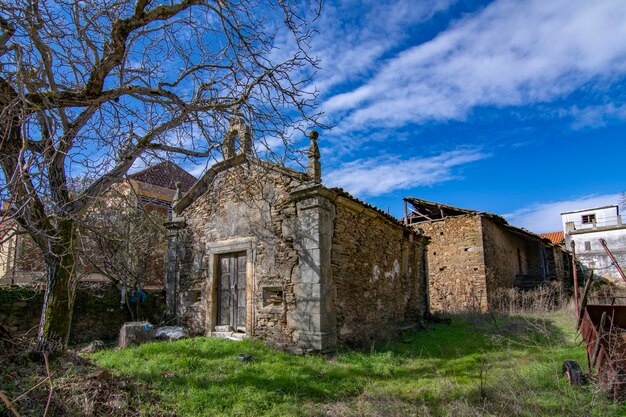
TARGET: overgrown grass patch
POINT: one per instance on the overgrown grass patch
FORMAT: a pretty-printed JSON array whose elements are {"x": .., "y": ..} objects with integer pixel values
[{"x": 477, "y": 365}]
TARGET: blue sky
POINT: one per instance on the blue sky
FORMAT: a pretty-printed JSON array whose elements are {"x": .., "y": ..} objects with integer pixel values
[{"x": 511, "y": 107}]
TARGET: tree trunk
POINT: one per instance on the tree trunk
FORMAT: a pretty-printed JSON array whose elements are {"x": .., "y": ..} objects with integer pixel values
[{"x": 58, "y": 306}]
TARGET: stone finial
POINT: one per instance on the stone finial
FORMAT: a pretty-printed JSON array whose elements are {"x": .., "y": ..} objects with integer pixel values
[
  {"x": 228, "y": 147},
  {"x": 245, "y": 139},
  {"x": 177, "y": 193},
  {"x": 239, "y": 130},
  {"x": 313, "y": 167}
]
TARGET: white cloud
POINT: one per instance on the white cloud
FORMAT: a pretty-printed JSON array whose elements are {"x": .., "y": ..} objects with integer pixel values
[
  {"x": 377, "y": 176},
  {"x": 597, "y": 116},
  {"x": 356, "y": 34},
  {"x": 511, "y": 53},
  {"x": 546, "y": 217}
]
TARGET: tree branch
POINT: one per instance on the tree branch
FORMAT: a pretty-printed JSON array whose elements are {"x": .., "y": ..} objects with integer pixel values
[
  {"x": 122, "y": 166},
  {"x": 182, "y": 151},
  {"x": 8, "y": 30}
]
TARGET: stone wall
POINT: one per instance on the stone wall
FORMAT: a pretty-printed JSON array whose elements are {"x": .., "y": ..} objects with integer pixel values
[
  {"x": 318, "y": 272},
  {"x": 559, "y": 264},
  {"x": 456, "y": 264},
  {"x": 470, "y": 256},
  {"x": 514, "y": 258},
  {"x": 378, "y": 274},
  {"x": 243, "y": 209},
  {"x": 97, "y": 313}
]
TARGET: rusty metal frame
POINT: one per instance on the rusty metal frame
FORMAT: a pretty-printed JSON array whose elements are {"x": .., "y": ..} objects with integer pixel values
[
  {"x": 615, "y": 263},
  {"x": 606, "y": 348}
]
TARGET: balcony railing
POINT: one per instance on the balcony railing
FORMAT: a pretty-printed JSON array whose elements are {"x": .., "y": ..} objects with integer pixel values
[{"x": 604, "y": 222}]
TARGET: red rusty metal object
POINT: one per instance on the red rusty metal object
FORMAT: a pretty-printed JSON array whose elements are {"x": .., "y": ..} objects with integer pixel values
[
  {"x": 608, "y": 252},
  {"x": 605, "y": 338},
  {"x": 610, "y": 357},
  {"x": 575, "y": 274}
]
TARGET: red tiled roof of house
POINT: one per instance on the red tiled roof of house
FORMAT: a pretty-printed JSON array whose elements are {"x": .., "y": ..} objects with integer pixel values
[
  {"x": 166, "y": 175},
  {"x": 555, "y": 237}
]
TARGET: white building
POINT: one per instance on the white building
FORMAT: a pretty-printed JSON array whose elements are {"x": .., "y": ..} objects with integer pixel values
[{"x": 586, "y": 227}]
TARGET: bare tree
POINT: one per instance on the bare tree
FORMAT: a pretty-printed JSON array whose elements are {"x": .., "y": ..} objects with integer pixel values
[
  {"x": 125, "y": 242},
  {"x": 88, "y": 87}
]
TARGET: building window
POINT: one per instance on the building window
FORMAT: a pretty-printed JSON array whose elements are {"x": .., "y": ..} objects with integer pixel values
[
  {"x": 587, "y": 246},
  {"x": 589, "y": 218}
]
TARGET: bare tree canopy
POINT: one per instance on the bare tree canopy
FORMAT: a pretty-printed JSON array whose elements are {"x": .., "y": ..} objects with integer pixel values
[{"x": 88, "y": 87}]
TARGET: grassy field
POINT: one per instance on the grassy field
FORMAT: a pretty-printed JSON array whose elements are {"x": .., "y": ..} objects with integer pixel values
[{"x": 479, "y": 365}]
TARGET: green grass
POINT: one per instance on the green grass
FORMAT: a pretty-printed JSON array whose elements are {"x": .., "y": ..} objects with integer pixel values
[{"x": 471, "y": 367}]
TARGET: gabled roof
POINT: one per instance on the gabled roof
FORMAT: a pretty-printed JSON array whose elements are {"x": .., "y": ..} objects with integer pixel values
[
  {"x": 202, "y": 184},
  {"x": 555, "y": 237},
  {"x": 165, "y": 174},
  {"x": 334, "y": 193}
]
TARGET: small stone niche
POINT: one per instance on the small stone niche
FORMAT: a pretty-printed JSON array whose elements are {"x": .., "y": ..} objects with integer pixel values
[
  {"x": 194, "y": 296},
  {"x": 272, "y": 296}
]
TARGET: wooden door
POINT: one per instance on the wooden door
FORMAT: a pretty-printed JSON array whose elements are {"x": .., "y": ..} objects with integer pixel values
[{"x": 231, "y": 297}]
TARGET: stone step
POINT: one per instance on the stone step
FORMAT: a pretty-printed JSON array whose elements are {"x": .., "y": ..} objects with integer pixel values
[
  {"x": 225, "y": 328},
  {"x": 222, "y": 335},
  {"x": 238, "y": 336}
]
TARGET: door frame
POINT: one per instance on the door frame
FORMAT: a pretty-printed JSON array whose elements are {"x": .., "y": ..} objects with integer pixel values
[{"x": 213, "y": 252}]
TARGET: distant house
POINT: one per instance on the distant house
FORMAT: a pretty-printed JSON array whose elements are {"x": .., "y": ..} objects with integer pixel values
[
  {"x": 472, "y": 253},
  {"x": 155, "y": 185},
  {"x": 153, "y": 188},
  {"x": 586, "y": 227},
  {"x": 258, "y": 250}
]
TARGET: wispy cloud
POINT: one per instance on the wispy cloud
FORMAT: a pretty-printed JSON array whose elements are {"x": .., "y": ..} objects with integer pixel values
[
  {"x": 546, "y": 217},
  {"x": 509, "y": 54},
  {"x": 597, "y": 116},
  {"x": 377, "y": 176},
  {"x": 356, "y": 35}
]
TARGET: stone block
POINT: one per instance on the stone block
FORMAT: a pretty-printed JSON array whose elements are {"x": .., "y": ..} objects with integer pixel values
[
  {"x": 135, "y": 333},
  {"x": 307, "y": 291},
  {"x": 319, "y": 341},
  {"x": 170, "y": 333}
]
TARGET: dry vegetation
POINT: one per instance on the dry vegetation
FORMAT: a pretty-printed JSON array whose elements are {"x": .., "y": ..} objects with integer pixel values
[
  {"x": 70, "y": 385},
  {"x": 546, "y": 298}
]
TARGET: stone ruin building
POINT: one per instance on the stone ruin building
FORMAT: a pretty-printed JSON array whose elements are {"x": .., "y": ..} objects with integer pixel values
[
  {"x": 471, "y": 254},
  {"x": 258, "y": 250}
]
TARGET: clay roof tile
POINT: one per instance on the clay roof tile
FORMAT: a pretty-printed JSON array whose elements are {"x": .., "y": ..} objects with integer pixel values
[{"x": 165, "y": 174}]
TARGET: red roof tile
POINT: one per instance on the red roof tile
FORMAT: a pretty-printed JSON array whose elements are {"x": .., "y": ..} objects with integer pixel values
[
  {"x": 166, "y": 175},
  {"x": 555, "y": 237}
]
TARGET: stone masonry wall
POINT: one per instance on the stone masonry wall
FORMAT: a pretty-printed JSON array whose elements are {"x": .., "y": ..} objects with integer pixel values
[
  {"x": 509, "y": 254},
  {"x": 456, "y": 264},
  {"x": 378, "y": 275},
  {"x": 97, "y": 312},
  {"x": 319, "y": 273},
  {"x": 242, "y": 210}
]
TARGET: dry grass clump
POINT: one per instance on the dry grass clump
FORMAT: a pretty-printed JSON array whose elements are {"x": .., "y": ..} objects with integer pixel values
[
  {"x": 604, "y": 291},
  {"x": 548, "y": 297},
  {"x": 69, "y": 386}
]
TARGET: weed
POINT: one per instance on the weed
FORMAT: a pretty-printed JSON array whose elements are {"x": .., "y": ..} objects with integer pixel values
[{"x": 490, "y": 365}]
